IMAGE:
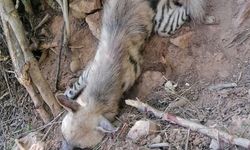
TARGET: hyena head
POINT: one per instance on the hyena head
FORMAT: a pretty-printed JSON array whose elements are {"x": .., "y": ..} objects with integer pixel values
[{"x": 81, "y": 127}]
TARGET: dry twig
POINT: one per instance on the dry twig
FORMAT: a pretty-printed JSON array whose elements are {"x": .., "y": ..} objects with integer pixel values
[
  {"x": 62, "y": 48},
  {"x": 65, "y": 9},
  {"x": 159, "y": 145},
  {"x": 211, "y": 132},
  {"x": 222, "y": 86},
  {"x": 66, "y": 34},
  {"x": 186, "y": 145},
  {"x": 44, "y": 20}
]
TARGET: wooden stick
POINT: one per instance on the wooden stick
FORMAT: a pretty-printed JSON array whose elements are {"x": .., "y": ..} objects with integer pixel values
[
  {"x": 65, "y": 10},
  {"x": 23, "y": 78},
  {"x": 24, "y": 62},
  {"x": 211, "y": 132},
  {"x": 44, "y": 20}
]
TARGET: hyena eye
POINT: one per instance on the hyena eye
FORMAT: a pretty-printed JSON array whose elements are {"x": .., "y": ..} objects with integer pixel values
[{"x": 70, "y": 92}]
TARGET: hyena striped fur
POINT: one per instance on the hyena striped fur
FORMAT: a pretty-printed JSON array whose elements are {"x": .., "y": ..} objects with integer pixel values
[
  {"x": 126, "y": 25},
  {"x": 172, "y": 14}
]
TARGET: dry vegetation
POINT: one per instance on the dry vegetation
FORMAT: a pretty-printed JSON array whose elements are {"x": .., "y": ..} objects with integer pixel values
[{"x": 201, "y": 74}]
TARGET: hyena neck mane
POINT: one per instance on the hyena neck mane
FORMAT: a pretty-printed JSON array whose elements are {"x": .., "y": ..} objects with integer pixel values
[
  {"x": 121, "y": 31},
  {"x": 125, "y": 26}
]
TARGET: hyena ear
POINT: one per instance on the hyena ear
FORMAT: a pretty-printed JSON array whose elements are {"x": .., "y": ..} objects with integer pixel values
[
  {"x": 105, "y": 126},
  {"x": 69, "y": 105}
]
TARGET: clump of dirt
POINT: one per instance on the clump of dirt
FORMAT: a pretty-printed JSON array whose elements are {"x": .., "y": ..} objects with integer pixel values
[{"x": 216, "y": 54}]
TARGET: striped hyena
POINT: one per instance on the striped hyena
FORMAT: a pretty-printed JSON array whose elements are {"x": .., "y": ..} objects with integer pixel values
[
  {"x": 126, "y": 25},
  {"x": 169, "y": 16}
]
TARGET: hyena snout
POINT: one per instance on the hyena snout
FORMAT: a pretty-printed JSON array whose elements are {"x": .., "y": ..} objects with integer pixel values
[{"x": 81, "y": 127}]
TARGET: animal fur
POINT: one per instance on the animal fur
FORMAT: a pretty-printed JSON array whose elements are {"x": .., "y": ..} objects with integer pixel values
[
  {"x": 126, "y": 25},
  {"x": 172, "y": 14}
]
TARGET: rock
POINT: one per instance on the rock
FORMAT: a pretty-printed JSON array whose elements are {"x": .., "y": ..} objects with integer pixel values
[
  {"x": 94, "y": 22},
  {"x": 75, "y": 65},
  {"x": 150, "y": 79},
  {"x": 79, "y": 15},
  {"x": 214, "y": 145},
  {"x": 170, "y": 87},
  {"x": 140, "y": 129},
  {"x": 80, "y": 8},
  {"x": 210, "y": 20},
  {"x": 157, "y": 139},
  {"x": 182, "y": 41}
]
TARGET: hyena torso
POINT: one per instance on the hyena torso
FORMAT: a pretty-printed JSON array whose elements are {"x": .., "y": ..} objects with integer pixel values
[
  {"x": 169, "y": 16},
  {"x": 117, "y": 64}
]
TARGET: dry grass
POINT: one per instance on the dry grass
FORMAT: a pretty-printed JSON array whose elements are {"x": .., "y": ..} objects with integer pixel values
[{"x": 17, "y": 113}]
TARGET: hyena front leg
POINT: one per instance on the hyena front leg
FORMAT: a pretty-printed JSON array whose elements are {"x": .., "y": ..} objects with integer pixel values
[{"x": 76, "y": 88}]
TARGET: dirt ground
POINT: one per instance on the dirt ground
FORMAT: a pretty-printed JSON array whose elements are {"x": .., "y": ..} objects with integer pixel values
[{"x": 217, "y": 54}]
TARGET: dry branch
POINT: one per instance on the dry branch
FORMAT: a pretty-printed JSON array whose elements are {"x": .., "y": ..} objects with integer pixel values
[
  {"x": 22, "y": 76},
  {"x": 222, "y": 86},
  {"x": 25, "y": 65},
  {"x": 65, "y": 34},
  {"x": 211, "y": 132},
  {"x": 44, "y": 20},
  {"x": 65, "y": 10}
]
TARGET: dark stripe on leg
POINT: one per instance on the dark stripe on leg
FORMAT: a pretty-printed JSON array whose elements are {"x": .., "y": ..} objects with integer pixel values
[
  {"x": 133, "y": 62},
  {"x": 162, "y": 16}
]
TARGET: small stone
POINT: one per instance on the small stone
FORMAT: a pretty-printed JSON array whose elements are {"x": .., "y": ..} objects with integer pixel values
[
  {"x": 157, "y": 139},
  {"x": 214, "y": 145},
  {"x": 80, "y": 8},
  {"x": 182, "y": 41},
  {"x": 79, "y": 15},
  {"x": 210, "y": 20},
  {"x": 170, "y": 87},
  {"x": 141, "y": 129},
  {"x": 94, "y": 22},
  {"x": 75, "y": 65}
]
